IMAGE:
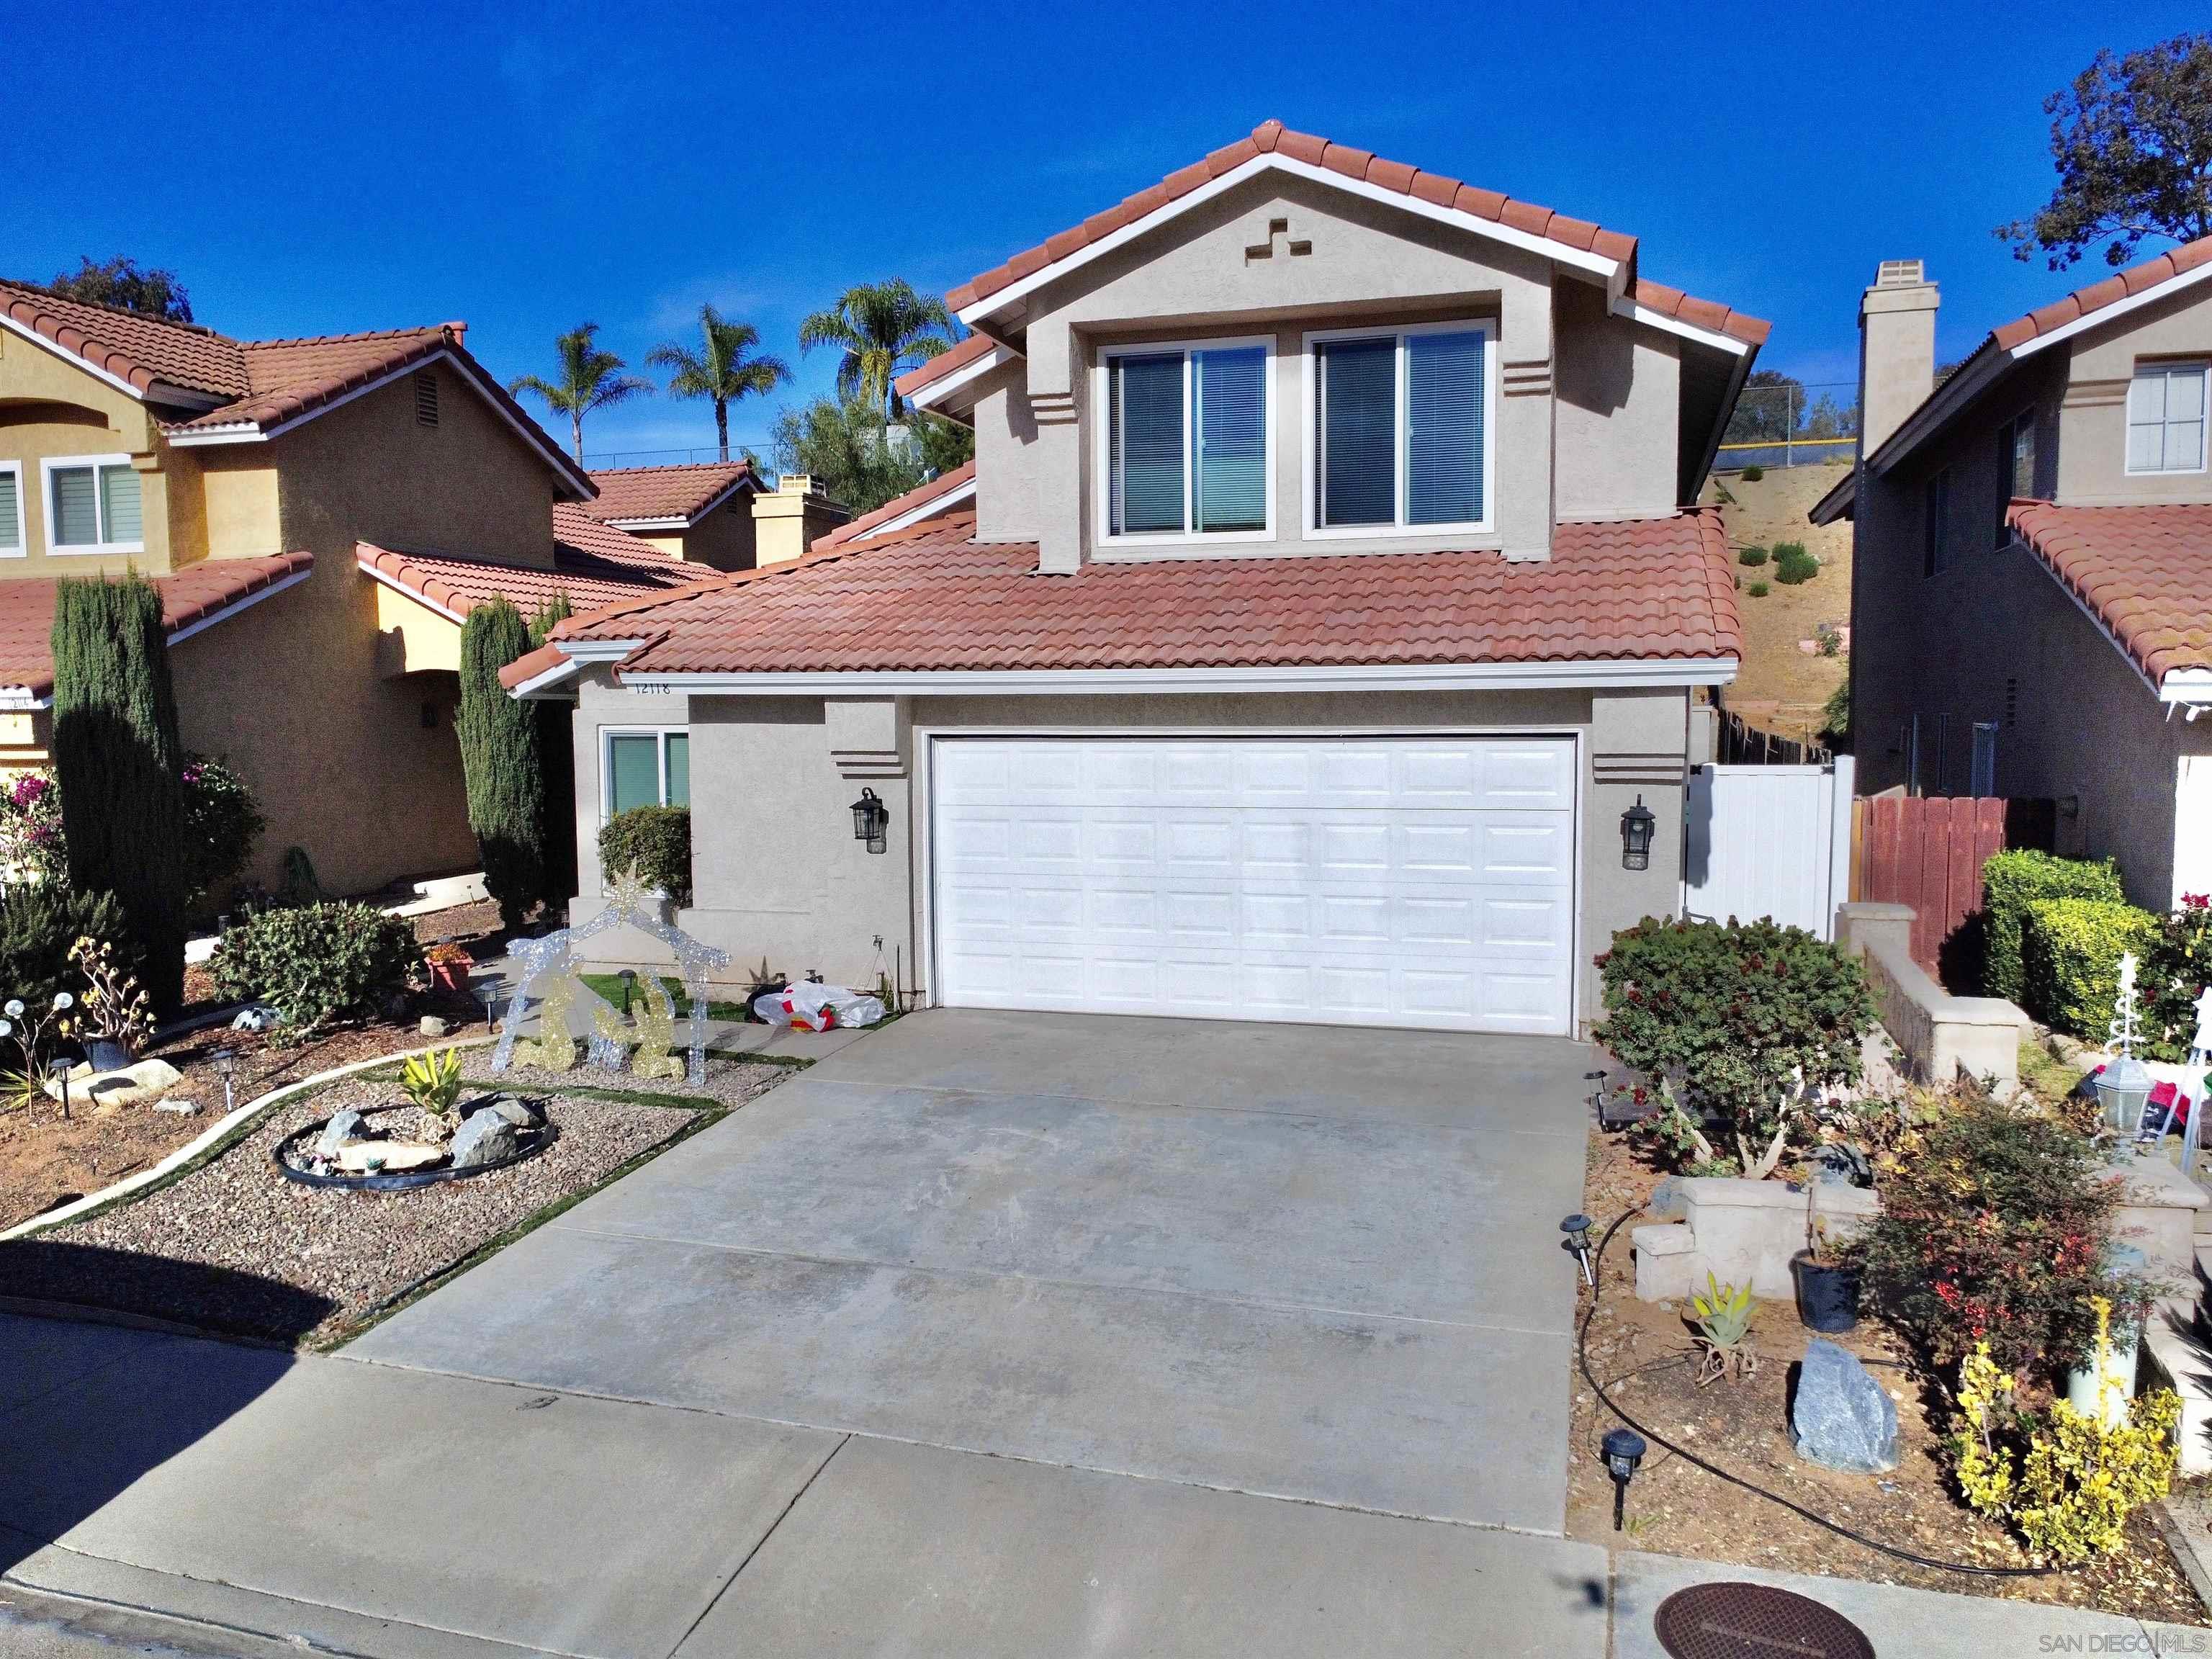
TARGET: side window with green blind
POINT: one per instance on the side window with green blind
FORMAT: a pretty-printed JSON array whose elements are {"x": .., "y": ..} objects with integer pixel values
[
  {"x": 93, "y": 506},
  {"x": 1187, "y": 442},
  {"x": 11, "y": 508},
  {"x": 1399, "y": 429},
  {"x": 647, "y": 768}
]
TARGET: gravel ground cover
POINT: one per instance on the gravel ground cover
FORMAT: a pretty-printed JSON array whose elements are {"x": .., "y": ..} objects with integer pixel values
[
  {"x": 730, "y": 1081},
  {"x": 232, "y": 1246}
]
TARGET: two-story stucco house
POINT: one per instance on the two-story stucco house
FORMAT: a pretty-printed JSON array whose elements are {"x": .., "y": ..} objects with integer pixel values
[
  {"x": 2031, "y": 596},
  {"x": 1323, "y": 597}
]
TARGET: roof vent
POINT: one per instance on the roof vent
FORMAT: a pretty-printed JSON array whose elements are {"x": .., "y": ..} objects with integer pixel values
[
  {"x": 425, "y": 398},
  {"x": 1900, "y": 273}
]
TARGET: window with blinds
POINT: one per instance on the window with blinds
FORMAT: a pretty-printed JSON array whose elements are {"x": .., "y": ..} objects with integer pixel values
[
  {"x": 1187, "y": 442},
  {"x": 1399, "y": 439},
  {"x": 647, "y": 769},
  {"x": 11, "y": 508},
  {"x": 93, "y": 506}
]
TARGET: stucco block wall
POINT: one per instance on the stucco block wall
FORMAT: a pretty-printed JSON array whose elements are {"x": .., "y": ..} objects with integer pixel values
[
  {"x": 776, "y": 872},
  {"x": 1613, "y": 396}
]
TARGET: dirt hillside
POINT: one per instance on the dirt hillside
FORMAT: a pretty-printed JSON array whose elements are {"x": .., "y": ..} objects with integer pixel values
[{"x": 1783, "y": 687}]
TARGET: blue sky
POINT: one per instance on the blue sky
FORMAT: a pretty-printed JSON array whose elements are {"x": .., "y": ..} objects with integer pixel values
[{"x": 316, "y": 170}]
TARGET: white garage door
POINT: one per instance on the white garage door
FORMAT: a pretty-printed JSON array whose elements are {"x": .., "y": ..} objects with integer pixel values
[{"x": 1388, "y": 881}]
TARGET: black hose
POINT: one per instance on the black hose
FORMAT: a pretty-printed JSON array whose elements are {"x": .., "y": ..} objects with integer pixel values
[{"x": 1582, "y": 1359}]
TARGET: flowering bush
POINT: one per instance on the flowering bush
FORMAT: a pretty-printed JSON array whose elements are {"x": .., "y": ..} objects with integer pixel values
[
  {"x": 114, "y": 1007},
  {"x": 2176, "y": 969},
  {"x": 222, "y": 821},
  {"x": 1996, "y": 1231},
  {"x": 31, "y": 827}
]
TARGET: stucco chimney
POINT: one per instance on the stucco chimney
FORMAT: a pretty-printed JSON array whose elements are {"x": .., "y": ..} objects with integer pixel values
[
  {"x": 786, "y": 519},
  {"x": 1897, "y": 349}
]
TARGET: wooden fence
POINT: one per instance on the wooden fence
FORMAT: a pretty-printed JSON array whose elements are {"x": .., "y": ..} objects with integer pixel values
[
  {"x": 1928, "y": 851},
  {"x": 1742, "y": 744}
]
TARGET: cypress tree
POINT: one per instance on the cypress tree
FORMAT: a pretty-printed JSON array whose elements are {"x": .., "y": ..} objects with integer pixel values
[
  {"x": 117, "y": 758},
  {"x": 500, "y": 761},
  {"x": 558, "y": 754}
]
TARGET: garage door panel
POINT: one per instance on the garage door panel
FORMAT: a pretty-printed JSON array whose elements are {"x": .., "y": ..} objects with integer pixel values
[{"x": 1421, "y": 881}]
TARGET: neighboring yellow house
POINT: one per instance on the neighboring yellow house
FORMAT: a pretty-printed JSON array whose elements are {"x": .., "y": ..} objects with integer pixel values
[{"x": 319, "y": 515}]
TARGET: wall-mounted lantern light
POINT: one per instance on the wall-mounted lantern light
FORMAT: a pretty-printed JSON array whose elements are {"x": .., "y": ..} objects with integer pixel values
[
  {"x": 1636, "y": 824},
  {"x": 872, "y": 821}
]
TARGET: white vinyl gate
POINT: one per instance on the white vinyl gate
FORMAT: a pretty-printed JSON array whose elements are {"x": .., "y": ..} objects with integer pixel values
[{"x": 1770, "y": 841}]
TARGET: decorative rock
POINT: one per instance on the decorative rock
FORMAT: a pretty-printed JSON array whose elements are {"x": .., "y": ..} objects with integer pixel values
[
  {"x": 256, "y": 1017},
  {"x": 134, "y": 1085},
  {"x": 431, "y": 1026},
  {"x": 390, "y": 1157},
  {"x": 485, "y": 1137},
  {"x": 345, "y": 1129},
  {"x": 181, "y": 1107},
  {"x": 1843, "y": 1419},
  {"x": 513, "y": 1108}
]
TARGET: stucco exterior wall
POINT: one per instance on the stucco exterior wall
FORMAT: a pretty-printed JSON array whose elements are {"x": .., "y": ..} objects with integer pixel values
[
  {"x": 2094, "y": 420},
  {"x": 50, "y": 411},
  {"x": 723, "y": 540},
  {"x": 1038, "y": 421},
  {"x": 777, "y": 871}
]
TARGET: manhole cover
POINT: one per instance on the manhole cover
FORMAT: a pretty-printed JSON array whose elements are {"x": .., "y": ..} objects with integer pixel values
[{"x": 1751, "y": 1622}]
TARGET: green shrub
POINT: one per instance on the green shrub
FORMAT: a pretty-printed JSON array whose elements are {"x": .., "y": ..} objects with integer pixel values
[
  {"x": 1752, "y": 557},
  {"x": 318, "y": 963},
  {"x": 1741, "y": 1022},
  {"x": 1793, "y": 565},
  {"x": 499, "y": 738},
  {"x": 1753, "y": 473},
  {"x": 1998, "y": 1228},
  {"x": 657, "y": 841},
  {"x": 1758, "y": 590},
  {"x": 2011, "y": 881},
  {"x": 2072, "y": 959},
  {"x": 117, "y": 760},
  {"x": 2175, "y": 974},
  {"x": 221, "y": 822},
  {"x": 39, "y": 922}
]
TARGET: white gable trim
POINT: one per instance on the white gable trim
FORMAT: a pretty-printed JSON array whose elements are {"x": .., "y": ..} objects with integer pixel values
[
  {"x": 938, "y": 391},
  {"x": 74, "y": 359},
  {"x": 2104, "y": 314},
  {"x": 245, "y": 603},
  {"x": 1660, "y": 320},
  {"x": 1612, "y": 272},
  {"x": 929, "y": 509}
]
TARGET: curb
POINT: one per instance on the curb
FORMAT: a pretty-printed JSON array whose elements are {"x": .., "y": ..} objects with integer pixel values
[{"x": 215, "y": 1132}]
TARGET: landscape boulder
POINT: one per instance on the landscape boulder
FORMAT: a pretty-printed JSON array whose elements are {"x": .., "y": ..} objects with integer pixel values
[
  {"x": 522, "y": 1113},
  {"x": 343, "y": 1130},
  {"x": 484, "y": 1138},
  {"x": 387, "y": 1157},
  {"x": 1843, "y": 1418}
]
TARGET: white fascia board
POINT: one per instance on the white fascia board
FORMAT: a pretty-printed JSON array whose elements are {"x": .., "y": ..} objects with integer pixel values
[
  {"x": 236, "y": 432},
  {"x": 577, "y": 655},
  {"x": 72, "y": 358},
  {"x": 650, "y": 524},
  {"x": 544, "y": 684},
  {"x": 938, "y": 391},
  {"x": 1091, "y": 682},
  {"x": 246, "y": 602},
  {"x": 1661, "y": 321},
  {"x": 1612, "y": 272},
  {"x": 2186, "y": 685},
  {"x": 400, "y": 587},
  {"x": 18, "y": 699},
  {"x": 590, "y": 650},
  {"x": 2104, "y": 314},
  {"x": 929, "y": 509},
  {"x": 1938, "y": 407}
]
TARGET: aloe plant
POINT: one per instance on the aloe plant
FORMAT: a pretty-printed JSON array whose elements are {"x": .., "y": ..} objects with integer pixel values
[
  {"x": 432, "y": 1083},
  {"x": 1724, "y": 1319}
]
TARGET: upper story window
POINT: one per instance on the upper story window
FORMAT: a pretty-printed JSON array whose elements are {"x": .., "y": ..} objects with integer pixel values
[
  {"x": 12, "y": 509},
  {"x": 1935, "y": 528},
  {"x": 1400, "y": 429},
  {"x": 2165, "y": 419},
  {"x": 1187, "y": 446},
  {"x": 646, "y": 768},
  {"x": 92, "y": 505},
  {"x": 2015, "y": 469}
]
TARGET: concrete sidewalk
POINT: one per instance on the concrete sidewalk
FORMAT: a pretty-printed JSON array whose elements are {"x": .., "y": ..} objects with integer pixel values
[{"x": 329, "y": 1504}]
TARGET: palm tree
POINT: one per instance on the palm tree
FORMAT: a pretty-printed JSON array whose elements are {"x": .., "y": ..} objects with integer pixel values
[
  {"x": 590, "y": 379},
  {"x": 881, "y": 327},
  {"x": 722, "y": 372}
]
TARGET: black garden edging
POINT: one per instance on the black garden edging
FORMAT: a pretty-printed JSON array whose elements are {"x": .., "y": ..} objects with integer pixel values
[{"x": 403, "y": 1180}]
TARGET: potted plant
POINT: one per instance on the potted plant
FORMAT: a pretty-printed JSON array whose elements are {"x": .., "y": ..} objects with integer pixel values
[
  {"x": 1827, "y": 1282},
  {"x": 450, "y": 966},
  {"x": 114, "y": 1015}
]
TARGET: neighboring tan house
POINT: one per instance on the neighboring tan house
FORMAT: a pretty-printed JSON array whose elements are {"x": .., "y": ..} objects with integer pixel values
[
  {"x": 319, "y": 515},
  {"x": 1324, "y": 595},
  {"x": 2032, "y": 602},
  {"x": 716, "y": 514}
]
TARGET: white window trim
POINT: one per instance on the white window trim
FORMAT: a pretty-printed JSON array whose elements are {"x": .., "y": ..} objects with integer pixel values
[
  {"x": 1103, "y": 422},
  {"x": 1309, "y": 433},
  {"x": 608, "y": 734},
  {"x": 79, "y": 549},
  {"x": 2204, "y": 371},
  {"x": 22, "y": 547}
]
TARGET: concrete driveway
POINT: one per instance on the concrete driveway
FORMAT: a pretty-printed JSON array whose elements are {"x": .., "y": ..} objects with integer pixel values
[{"x": 994, "y": 1334}]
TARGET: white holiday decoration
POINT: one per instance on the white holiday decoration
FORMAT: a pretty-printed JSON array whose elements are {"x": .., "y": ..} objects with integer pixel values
[
  {"x": 2122, "y": 1041},
  {"x": 628, "y": 900}
]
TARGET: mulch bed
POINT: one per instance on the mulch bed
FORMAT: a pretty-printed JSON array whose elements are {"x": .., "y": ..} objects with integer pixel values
[
  {"x": 1643, "y": 1354},
  {"x": 232, "y": 1246}
]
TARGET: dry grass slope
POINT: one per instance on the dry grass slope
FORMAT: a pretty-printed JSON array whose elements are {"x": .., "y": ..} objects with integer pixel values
[{"x": 1781, "y": 687}]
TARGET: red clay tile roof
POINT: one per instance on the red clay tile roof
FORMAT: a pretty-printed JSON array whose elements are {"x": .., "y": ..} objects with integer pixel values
[
  {"x": 582, "y": 569},
  {"x": 291, "y": 377},
  {"x": 665, "y": 492},
  {"x": 899, "y": 506},
  {"x": 973, "y": 349},
  {"x": 1708, "y": 314},
  {"x": 577, "y": 534},
  {"x": 2121, "y": 285},
  {"x": 192, "y": 595},
  {"x": 144, "y": 351},
  {"x": 2145, "y": 572},
  {"x": 928, "y": 597}
]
